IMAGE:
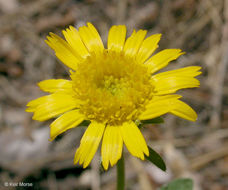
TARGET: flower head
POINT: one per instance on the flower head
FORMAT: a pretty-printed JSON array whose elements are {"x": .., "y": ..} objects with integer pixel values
[{"x": 112, "y": 88}]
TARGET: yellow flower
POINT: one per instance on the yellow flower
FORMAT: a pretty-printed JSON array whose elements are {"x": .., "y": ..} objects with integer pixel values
[{"x": 113, "y": 88}]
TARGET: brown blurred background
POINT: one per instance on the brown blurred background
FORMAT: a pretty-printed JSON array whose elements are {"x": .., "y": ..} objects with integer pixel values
[{"x": 198, "y": 150}]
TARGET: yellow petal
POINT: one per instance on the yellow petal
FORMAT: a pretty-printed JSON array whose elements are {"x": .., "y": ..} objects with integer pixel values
[
  {"x": 147, "y": 48},
  {"x": 66, "y": 121},
  {"x": 56, "y": 85},
  {"x": 184, "y": 111},
  {"x": 171, "y": 81},
  {"x": 91, "y": 38},
  {"x": 116, "y": 38},
  {"x": 162, "y": 59},
  {"x": 134, "y": 140},
  {"x": 134, "y": 42},
  {"x": 112, "y": 145},
  {"x": 32, "y": 105},
  {"x": 73, "y": 38},
  {"x": 159, "y": 105},
  {"x": 190, "y": 71},
  {"x": 172, "y": 84},
  {"x": 52, "y": 105},
  {"x": 89, "y": 144},
  {"x": 63, "y": 51}
]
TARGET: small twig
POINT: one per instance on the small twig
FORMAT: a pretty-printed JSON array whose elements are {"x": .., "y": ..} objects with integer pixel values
[
  {"x": 204, "y": 159},
  {"x": 95, "y": 182},
  {"x": 121, "y": 11},
  {"x": 147, "y": 13},
  {"x": 142, "y": 175},
  {"x": 11, "y": 92},
  {"x": 217, "y": 93}
]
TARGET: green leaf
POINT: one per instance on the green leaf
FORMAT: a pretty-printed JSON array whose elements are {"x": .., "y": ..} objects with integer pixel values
[
  {"x": 179, "y": 184},
  {"x": 156, "y": 120},
  {"x": 85, "y": 123},
  {"x": 156, "y": 159}
]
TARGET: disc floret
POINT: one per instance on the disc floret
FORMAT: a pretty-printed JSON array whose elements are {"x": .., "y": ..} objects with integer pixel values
[{"x": 112, "y": 87}]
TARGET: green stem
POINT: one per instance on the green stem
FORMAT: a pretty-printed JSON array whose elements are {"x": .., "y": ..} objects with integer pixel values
[{"x": 120, "y": 174}]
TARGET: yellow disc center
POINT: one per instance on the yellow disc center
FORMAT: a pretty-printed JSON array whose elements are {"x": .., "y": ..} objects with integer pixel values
[{"x": 111, "y": 87}]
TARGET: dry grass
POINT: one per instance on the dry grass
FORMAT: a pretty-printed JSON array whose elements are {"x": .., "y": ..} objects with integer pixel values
[{"x": 198, "y": 150}]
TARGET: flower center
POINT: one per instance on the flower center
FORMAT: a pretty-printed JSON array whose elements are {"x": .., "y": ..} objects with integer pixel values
[{"x": 112, "y": 87}]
